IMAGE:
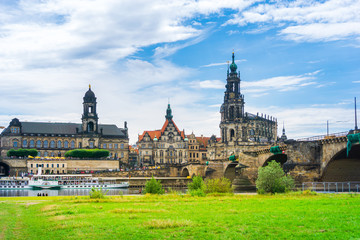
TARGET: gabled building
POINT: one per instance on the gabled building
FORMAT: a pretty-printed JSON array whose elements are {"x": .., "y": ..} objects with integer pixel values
[
  {"x": 197, "y": 148},
  {"x": 54, "y": 139},
  {"x": 167, "y": 145}
]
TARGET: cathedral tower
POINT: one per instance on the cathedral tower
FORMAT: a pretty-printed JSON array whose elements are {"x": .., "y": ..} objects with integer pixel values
[
  {"x": 89, "y": 117},
  {"x": 232, "y": 110}
]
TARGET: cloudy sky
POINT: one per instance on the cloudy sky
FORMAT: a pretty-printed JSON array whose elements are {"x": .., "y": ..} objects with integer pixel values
[{"x": 299, "y": 61}]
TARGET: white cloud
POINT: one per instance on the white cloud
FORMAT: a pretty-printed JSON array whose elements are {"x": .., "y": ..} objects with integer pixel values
[
  {"x": 281, "y": 83},
  {"x": 222, "y": 63},
  {"x": 306, "y": 20},
  {"x": 214, "y": 84}
]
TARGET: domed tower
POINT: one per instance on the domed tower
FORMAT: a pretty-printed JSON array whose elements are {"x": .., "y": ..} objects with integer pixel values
[
  {"x": 232, "y": 110},
  {"x": 89, "y": 117}
]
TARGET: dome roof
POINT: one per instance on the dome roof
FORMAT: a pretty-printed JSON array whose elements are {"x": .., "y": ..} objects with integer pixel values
[
  {"x": 89, "y": 96},
  {"x": 15, "y": 123},
  {"x": 233, "y": 67}
]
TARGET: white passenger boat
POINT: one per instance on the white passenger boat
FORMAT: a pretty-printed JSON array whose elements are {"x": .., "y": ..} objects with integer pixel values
[
  {"x": 13, "y": 184},
  {"x": 83, "y": 181}
]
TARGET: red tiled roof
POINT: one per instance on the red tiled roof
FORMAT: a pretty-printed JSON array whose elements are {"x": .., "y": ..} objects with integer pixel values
[
  {"x": 203, "y": 140},
  {"x": 159, "y": 133}
]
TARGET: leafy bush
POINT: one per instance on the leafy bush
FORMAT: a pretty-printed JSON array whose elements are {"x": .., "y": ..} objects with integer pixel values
[
  {"x": 197, "y": 183},
  {"x": 22, "y": 152},
  {"x": 197, "y": 187},
  {"x": 154, "y": 187},
  {"x": 272, "y": 179},
  {"x": 87, "y": 153},
  {"x": 218, "y": 185},
  {"x": 96, "y": 193}
]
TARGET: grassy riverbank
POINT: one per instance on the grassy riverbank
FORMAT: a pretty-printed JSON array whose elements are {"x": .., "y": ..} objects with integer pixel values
[{"x": 294, "y": 216}]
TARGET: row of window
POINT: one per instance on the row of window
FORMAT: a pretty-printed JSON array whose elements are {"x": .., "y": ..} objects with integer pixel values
[
  {"x": 170, "y": 153},
  {"x": 59, "y": 144},
  {"x": 161, "y": 145},
  {"x": 47, "y": 165},
  {"x": 110, "y": 145},
  {"x": 45, "y": 144},
  {"x": 15, "y": 130},
  {"x": 193, "y": 155}
]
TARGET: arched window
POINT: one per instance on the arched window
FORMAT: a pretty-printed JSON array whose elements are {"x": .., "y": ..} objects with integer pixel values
[
  {"x": 32, "y": 143},
  {"x": 46, "y": 144},
  {"x": 251, "y": 132},
  {"x": 59, "y": 144},
  {"x": 15, "y": 144},
  {"x": 90, "y": 127},
  {"x": 45, "y": 154},
  {"x": 122, "y": 154},
  {"x": 52, "y": 154},
  {"x": 24, "y": 143},
  {"x": 66, "y": 144},
  {"x": 52, "y": 144},
  {"x": 72, "y": 144},
  {"x": 38, "y": 144},
  {"x": 232, "y": 134}
]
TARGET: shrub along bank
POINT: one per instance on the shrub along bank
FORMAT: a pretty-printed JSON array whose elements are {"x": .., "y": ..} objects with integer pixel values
[{"x": 87, "y": 153}]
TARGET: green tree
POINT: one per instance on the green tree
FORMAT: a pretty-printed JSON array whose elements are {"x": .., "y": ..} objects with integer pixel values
[
  {"x": 272, "y": 179},
  {"x": 154, "y": 187},
  {"x": 197, "y": 187}
]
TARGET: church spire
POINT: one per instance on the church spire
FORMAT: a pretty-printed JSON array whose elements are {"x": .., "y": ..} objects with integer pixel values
[{"x": 283, "y": 136}]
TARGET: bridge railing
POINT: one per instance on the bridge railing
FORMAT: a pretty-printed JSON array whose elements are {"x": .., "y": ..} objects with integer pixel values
[
  {"x": 321, "y": 137},
  {"x": 331, "y": 187}
]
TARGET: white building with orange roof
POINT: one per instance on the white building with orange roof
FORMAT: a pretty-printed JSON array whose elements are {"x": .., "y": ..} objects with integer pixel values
[{"x": 168, "y": 145}]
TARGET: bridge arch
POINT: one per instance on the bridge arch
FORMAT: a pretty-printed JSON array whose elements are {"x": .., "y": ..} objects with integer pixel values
[
  {"x": 342, "y": 168},
  {"x": 230, "y": 171},
  {"x": 4, "y": 169},
  {"x": 185, "y": 172},
  {"x": 280, "y": 158}
]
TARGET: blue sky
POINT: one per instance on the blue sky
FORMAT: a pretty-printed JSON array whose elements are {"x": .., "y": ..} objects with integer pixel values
[{"x": 299, "y": 61}]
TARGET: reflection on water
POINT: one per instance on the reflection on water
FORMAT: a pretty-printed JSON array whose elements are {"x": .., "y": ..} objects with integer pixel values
[
  {"x": 63, "y": 192},
  {"x": 74, "y": 192}
]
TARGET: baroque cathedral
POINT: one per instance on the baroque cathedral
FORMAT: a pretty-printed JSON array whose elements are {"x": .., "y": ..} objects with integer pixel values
[
  {"x": 239, "y": 130},
  {"x": 54, "y": 139}
]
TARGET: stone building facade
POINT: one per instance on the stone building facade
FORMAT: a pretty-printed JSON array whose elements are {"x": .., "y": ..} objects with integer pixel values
[
  {"x": 168, "y": 145},
  {"x": 54, "y": 139},
  {"x": 197, "y": 148},
  {"x": 239, "y": 130}
]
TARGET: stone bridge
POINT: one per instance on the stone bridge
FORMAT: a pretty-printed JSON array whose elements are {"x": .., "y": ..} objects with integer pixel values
[{"x": 306, "y": 161}]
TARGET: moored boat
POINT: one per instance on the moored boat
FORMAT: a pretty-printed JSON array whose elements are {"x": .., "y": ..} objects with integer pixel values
[
  {"x": 14, "y": 184},
  {"x": 83, "y": 181}
]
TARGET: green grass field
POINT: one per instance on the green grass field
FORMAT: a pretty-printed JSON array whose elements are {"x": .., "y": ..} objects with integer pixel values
[{"x": 291, "y": 216}]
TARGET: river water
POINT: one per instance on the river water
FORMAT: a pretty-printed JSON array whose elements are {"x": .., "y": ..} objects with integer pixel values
[{"x": 71, "y": 192}]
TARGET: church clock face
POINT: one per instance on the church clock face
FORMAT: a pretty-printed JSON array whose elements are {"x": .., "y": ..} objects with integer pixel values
[
  {"x": 171, "y": 135},
  {"x": 232, "y": 95}
]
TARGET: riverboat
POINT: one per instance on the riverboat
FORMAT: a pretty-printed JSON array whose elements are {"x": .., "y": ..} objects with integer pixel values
[
  {"x": 83, "y": 181},
  {"x": 14, "y": 184}
]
